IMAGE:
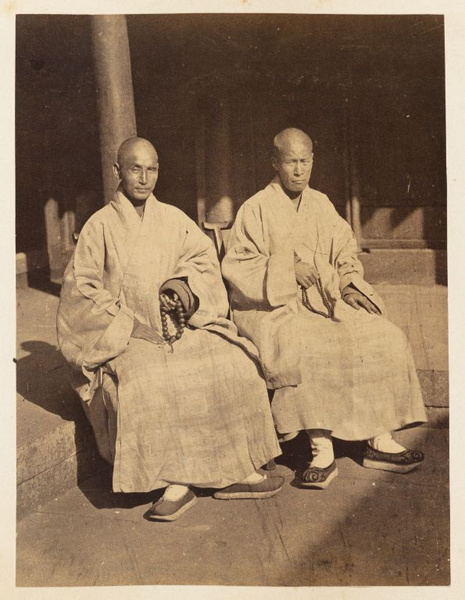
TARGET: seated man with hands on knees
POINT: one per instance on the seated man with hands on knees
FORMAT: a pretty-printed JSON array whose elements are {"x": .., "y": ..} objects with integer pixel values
[{"x": 337, "y": 365}]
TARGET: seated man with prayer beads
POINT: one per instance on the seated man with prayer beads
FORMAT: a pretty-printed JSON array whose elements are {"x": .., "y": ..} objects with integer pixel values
[{"x": 176, "y": 399}]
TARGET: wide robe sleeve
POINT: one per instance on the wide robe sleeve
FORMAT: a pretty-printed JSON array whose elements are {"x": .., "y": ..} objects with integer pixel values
[
  {"x": 345, "y": 257},
  {"x": 198, "y": 265},
  {"x": 93, "y": 326},
  {"x": 259, "y": 268}
]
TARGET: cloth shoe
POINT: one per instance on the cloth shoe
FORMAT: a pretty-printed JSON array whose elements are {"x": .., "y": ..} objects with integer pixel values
[
  {"x": 268, "y": 487},
  {"x": 171, "y": 510},
  {"x": 317, "y": 477},
  {"x": 397, "y": 462}
]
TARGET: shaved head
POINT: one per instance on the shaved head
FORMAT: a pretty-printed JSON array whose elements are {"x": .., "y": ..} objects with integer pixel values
[
  {"x": 288, "y": 138},
  {"x": 292, "y": 159},
  {"x": 133, "y": 144},
  {"x": 137, "y": 169}
]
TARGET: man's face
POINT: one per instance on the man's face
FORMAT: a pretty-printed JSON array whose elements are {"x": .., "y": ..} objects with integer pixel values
[
  {"x": 294, "y": 166},
  {"x": 138, "y": 172}
]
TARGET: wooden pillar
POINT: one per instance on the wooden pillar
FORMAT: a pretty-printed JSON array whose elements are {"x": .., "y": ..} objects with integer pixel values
[
  {"x": 53, "y": 234},
  {"x": 114, "y": 91},
  {"x": 200, "y": 169},
  {"x": 217, "y": 155},
  {"x": 353, "y": 204}
]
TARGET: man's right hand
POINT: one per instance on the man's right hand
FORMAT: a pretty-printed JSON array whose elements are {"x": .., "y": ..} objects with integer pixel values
[
  {"x": 168, "y": 301},
  {"x": 305, "y": 274},
  {"x": 144, "y": 332}
]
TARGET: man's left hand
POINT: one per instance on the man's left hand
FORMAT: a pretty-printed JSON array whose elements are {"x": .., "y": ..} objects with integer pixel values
[{"x": 356, "y": 299}]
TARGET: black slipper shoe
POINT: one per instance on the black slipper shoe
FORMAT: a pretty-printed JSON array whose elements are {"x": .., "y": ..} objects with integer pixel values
[
  {"x": 318, "y": 478},
  {"x": 397, "y": 462}
]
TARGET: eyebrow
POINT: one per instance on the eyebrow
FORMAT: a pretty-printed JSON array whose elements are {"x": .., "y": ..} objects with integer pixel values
[
  {"x": 155, "y": 166},
  {"x": 298, "y": 158}
]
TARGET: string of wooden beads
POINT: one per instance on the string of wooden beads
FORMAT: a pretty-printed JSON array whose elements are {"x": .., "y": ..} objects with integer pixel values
[
  {"x": 178, "y": 317},
  {"x": 326, "y": 302}
]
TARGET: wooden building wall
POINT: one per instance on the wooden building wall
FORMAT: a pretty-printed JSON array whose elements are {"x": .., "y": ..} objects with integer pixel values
[{"x": 245, "y": 77}]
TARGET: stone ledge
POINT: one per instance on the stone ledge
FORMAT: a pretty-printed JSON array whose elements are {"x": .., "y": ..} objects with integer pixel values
[
  {"x": 57, "y": 450},
  {"x": 57, "y": 480},
  {"x": 435, "y": 387},
  {"x": 53, "y": 463},
  {"x": 406, "y": 266},
  {"x": 49, "y": 450},
  {"x": 438, "y": 418}
]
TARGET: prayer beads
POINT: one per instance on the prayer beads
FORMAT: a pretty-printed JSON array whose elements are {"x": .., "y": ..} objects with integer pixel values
[
  {"x": 326, "y": 302},
  {"x": 178, "y": 317}
]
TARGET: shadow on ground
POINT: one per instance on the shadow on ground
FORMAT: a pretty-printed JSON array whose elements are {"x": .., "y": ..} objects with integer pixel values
[{"x": 41, "y": 279}]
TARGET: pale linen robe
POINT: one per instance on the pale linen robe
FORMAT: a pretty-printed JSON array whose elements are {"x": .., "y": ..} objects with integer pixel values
[
  {"x": 353, "y": 374},
  {"x": 198, "y": 414}
]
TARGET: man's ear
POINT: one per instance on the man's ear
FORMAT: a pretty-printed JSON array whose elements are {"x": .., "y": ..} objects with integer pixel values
[
  {"x": 116, "y": 171},
  {"x": 274, "y": 163}
]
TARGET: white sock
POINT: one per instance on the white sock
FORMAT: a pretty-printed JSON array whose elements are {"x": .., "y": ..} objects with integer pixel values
[
  {"x": 175, "y": 492},
  {"x": 322, "y": 448},
  {"x": 386, "y": 443},
  {"x": 254, "y": 478}
]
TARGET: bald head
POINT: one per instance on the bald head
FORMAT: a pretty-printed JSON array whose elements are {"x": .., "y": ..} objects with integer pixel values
[
  {"x": 133, "y": 144},
  {"x": 289, "y": 138},
  {"x": 137, "y": 168},
  {"x": 293, "y": 160}
]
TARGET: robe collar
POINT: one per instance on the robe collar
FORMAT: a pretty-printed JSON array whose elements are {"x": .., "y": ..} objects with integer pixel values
[
  {"x": 276, "y": 188},
  {"x": 129, "y": 225},
  {"x": 127, "y": 213}
]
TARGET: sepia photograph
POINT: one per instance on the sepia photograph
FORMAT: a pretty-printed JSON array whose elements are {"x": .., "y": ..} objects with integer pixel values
[{"x": 232, "y": 335}]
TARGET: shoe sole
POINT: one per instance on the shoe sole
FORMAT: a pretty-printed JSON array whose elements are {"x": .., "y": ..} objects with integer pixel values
[
  {"x": 386, "y": 466},
  {"x": 288, "y": 437},
  {"x": 175, "y": 516},
  {"x": 245, "y": 495},
  {"x": 320, "y": 486}
]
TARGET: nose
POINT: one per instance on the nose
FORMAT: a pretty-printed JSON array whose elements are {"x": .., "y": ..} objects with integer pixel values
[
  {"x": 298, "y": 169},
  {"x": 143, "y": 176}
]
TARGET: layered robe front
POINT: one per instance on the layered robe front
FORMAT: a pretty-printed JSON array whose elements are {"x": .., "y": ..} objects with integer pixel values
[
  {"x": 195, "y": 413},
  {"x": 352, "y": 374}
]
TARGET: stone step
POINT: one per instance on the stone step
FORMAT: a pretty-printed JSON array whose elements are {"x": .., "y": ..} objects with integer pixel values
[
  {"x": 54, "y": 462},
  {"x": 421, "y": 312},
  {"x": 55, "y": 445},
  {"x": 405, "y": 266}
]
